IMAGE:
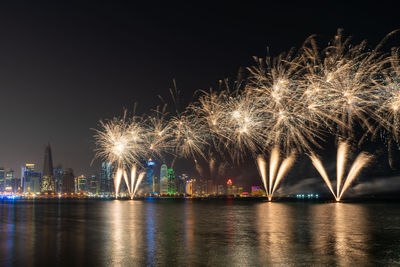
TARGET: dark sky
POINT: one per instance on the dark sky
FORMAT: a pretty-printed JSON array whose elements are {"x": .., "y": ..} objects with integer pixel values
[{"x": 65, "y": 65}]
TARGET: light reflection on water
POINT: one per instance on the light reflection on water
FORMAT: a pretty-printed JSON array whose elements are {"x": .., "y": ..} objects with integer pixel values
[{"x": 192, "y": 233}]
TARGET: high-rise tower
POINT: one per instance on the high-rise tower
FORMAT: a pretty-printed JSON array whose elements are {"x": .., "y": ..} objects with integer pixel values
[
  {"x": 106, "y": 180},
  {"x": 171, "y": 182},
  {"x": 68, "y": 183},
  {"x": 48, "y": 176},
  {"x": 30, "y": 179},
  {"x": 164, "y": 179},
  {"x": 149, "y": 176}
]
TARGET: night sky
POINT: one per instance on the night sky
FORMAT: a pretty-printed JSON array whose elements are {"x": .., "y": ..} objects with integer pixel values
[{"x": 65, "y": 65}]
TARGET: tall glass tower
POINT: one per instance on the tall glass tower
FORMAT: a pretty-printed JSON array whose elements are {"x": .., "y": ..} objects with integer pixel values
[
  {"x": 2, "y": 179},
  {"x": 30, "y": 179},
  {"x": 68, "y": 182},
  {"x": 106, "y": 180},
  {"x": 58, "y": 173},
  {"x": 164, "y": 179},
  {"x": 171, "y": 182},
  {"x": 47, "y": 185},
  {"x": 149, "y": 176}
]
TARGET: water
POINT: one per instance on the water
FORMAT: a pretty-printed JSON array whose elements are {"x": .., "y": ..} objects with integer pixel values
[{"x": 198, "y": 233}]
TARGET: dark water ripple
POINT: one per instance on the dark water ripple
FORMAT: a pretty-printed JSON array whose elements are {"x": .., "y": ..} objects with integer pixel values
[{"x": 193, "y": 233}]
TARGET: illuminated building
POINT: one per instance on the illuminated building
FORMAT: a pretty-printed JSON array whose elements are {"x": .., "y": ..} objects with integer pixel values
[
  {"x": 106, "y": 180},
  {"x": 93, "y": 185},
  {"x": 257, "y": 191},
  {"x": 2, "y": 180},
  {"x": 148, "y": 182},
  {"x": 58, "y": 173},
  {"x": 30, "y": 179},
  {"x": 164, "y": 179},
  {"x": 68, "y": 182},
  {"x": 82, "y": 184},
  {"x": 156, "y": 185},
  {"x": 189, "y": 187},
  {"x": 9, "y": 176},
  {"x": 229, "y": 189},
  {"x": 47, "y": 185},
  {"x": 171, "y": 182},
  {"x": 16, "y": 185},
  {"x": 180, "y": 184},
  {"x": 211, "y": 188}
]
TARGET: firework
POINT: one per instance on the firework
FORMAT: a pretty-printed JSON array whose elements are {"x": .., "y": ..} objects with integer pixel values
[
  {"x": 158, "y": 133},
  {"x": 275, "y": 86},
  {"x": 275, "y": 174},
  {"x": 341, "y": 79},
  {"x": 287, "y": 104},
  {"x": 121, "y": 141},
  {"x": 389, "y": 111},
  {"x": 189, "y": 136},
  {"x": 360, "y": 162}
]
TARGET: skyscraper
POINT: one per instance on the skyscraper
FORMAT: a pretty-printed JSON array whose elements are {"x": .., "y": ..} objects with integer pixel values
[
  {"x": 68, "y": 182},
  {"x": 106, "y": 180},
  {"x": 30, "y": 179},
  {"x": 229, "y": 190},
  {"x": 171, "y": 182},
  {"x": 82, "y": 184},
  {"x": 48, "y": 176},
  {"x": 58, "y": 173},
  {"x": 2, "y": 180},
  {"x": 9, "y": 176},
  {"x": 164, "y": 179},
  {"x": 93, "y": 185},
  {"x": 156, "y": 184},
  {"x": 148, "y": 185}
]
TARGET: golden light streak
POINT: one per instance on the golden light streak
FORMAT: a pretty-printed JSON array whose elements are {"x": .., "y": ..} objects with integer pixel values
[
  {"x": 262, "y": 169},
  {"x": 139, "y": 181},
  {"x": 361, "y": 161},
  {"x": 283, "y": 169},
  {"x": 273, "y": 166},
  {"x": 320, "y": 168},
  {"x": 341, "y": 164}
]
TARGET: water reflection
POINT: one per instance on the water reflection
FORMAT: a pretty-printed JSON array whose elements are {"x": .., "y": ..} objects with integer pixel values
[
  {"x": 275, "y": 233},
  {"x": 341, "y": 234},
  {"x": 189, "y": 233},
  {"x": 192, "y": 233}
]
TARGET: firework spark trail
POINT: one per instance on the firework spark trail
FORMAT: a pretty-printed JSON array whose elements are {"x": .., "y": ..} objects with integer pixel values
[
  {"x": 276, "y": 175},
  {"x": 283, "y": 169},
  {"x": 344, "y": 75},
  {"x": 361, "y": 161},
  {"x": 133, "y": 179},
  {"x": 117, "y": 181},
  {"x": 341, "y": 164},
  {"x": 126, "y": 178},
  {"x": 320, "y": 168},
  {"x": 276, "y": 87},
  {"x": 158, "y": 133},
  {"x": 139, "y": 181},
  {"x": 388, "y": 114},
  {"x": 262, "y": 169},
  {"x": 273, "y": 167},
  {"x": 190, "y": 136},
  {"x": 291, "y": 101}
]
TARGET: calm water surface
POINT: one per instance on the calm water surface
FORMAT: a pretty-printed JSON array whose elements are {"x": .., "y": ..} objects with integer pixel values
[{"x": 198, "y": 233}]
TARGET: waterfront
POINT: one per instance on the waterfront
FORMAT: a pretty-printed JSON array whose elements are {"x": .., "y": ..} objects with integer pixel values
[{"x": 195, "y": 232}]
